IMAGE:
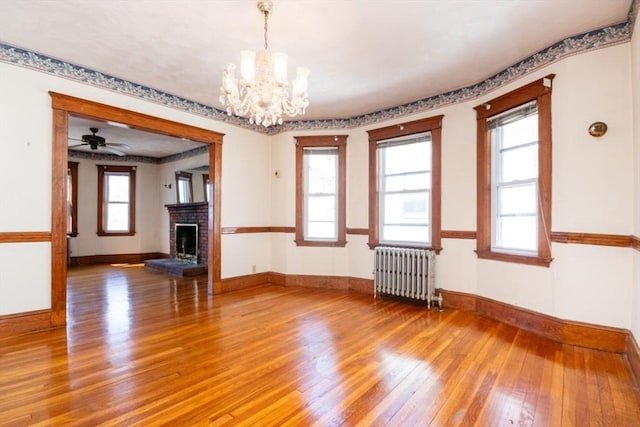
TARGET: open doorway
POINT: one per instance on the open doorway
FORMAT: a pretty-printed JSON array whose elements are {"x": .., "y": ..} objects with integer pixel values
[{"x": 62, "y": 107}]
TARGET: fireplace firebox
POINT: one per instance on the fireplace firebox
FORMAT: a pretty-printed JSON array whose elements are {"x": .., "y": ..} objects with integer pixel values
[{"x": 186, "y": 242}]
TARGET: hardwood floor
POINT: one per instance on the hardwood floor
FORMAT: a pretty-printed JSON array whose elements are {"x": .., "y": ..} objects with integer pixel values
[{"x": 142, "y": 348}]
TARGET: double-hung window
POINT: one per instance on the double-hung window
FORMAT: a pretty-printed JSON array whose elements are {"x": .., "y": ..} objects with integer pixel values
[
  {"x": 320, "y": 193},
  {"x": 514, "y": 195},
  {"x": 116, "y": 200},
  {"x": 320, "y": 190},
  {"x": 405, "y": 189},
  {"x": 404, "y": 184},
  {"x": 184, "y": 187},
  {"x": 514, "y": 175}
]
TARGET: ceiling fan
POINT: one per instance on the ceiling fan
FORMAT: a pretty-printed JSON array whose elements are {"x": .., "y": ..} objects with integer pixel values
[{"x": 97, "y": 142}]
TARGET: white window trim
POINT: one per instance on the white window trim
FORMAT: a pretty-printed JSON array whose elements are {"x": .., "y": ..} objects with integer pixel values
[
  {"x": 405, "y": 140},
  {"x": 107, "y": 202},
  {"x": 307, "y": 194},
  {"x": 497, "y": 138}
]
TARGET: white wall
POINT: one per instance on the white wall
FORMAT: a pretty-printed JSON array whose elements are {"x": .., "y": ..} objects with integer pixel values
[
  {"x": 25, "y": 277},
  {"x": 148, "y": 214},
  {"x": 246, "y": 202},
  {"x": 635, "y": 85}
]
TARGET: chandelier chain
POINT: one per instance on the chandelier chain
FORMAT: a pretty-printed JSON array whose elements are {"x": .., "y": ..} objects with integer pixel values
[{"x": 266, "y": 29}]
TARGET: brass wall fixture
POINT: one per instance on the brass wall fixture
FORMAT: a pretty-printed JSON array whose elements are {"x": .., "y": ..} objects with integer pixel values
[{"x": 597, "y": 129}]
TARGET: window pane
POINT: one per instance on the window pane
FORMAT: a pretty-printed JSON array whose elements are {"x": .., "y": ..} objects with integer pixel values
[
  {"x": 321, "y": 163},
  {"x": 321, "y": 208},
  {"x": 413, "y": 181},
  {"x": 414, "y": 157},
  {"x": 520, "y": 163},
  {"x": 321, "y": 230},
  {"x": 520, "y": 132},
  {"x": 321, "y": 171},
  {"x": 519, "y": 232},
  {"x": 117, "y": 217},
  {"x": 184, "y": 192},
  {"x": 320, "y": 193},
  {"x": 520, "y": 199},
  {"x": 406, "y": 208},
  {"x": 319, "y": 185},
  {"x": 406, "y": 233},
  {"x": 117, "y": 188}
]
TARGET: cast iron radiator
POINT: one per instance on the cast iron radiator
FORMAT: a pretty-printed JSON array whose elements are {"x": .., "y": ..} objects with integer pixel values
[{"x": 405, "y": 272}]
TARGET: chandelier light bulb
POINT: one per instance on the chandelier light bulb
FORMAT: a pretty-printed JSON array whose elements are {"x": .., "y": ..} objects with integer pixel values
[
  {"x": 262, "y": 94},
  {"x": 247, "y": 65}
]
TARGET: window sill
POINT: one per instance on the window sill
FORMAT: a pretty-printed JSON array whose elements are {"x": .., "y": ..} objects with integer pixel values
[
  {"x": 316, "y": 243},
  {"x": 518, "y": 259},
  {"x": 107, "y": 234}
]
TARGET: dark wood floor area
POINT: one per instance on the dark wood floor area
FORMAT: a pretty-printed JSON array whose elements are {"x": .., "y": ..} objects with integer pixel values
[{"x": 142, "y": 348}]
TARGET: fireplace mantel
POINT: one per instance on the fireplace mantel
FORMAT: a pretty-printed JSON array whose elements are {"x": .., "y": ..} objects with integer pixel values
[{"x": 186, "y": 205}]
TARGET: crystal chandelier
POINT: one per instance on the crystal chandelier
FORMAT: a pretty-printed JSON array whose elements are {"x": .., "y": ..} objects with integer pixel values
[{"x": 263, "y": 91}]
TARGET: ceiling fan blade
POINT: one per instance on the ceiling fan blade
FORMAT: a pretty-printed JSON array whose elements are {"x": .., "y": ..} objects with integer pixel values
[
  {"x": 116, "y": 144},
  {"x": 76, "y": 139},
  {"x": 114, "y": 151},
  {"x": 77, "y": 145}
]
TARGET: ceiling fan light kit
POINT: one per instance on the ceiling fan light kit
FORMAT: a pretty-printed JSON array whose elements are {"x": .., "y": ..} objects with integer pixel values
[{"x": 262, "y": 94}]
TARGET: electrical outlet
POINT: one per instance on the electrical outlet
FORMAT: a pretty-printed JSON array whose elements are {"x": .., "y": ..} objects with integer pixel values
[{"x": 253, "y": 268}]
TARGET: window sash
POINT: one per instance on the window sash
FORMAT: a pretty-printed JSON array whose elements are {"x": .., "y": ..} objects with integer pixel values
[
  {"x": 117, "y": 213},
  {"x": 316, "y": 229},
  {"x": 501, "y": 239},
  {"x": 184, "y": 193},
  {"x": 505, "y": 236},
  {"x": 112, "y": 202},
  {"x": 184, "y": 187},
  {"x": 407, "y": 230}
]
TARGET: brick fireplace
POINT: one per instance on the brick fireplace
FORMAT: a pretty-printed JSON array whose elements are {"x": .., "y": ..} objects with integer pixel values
[
  {"x": 186, "y": 213},
  {"x": 190, "y": 213}
]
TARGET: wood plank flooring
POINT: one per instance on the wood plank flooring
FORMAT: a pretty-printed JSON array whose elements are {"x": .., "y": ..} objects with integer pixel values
[{"x": 142, "y": 348}]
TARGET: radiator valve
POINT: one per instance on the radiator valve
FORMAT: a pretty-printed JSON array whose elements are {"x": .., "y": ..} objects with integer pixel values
[{"x": 439, "y": 300}]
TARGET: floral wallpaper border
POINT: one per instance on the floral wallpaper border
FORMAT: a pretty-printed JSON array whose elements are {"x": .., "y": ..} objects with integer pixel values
[
  {"x": 102, "y": 156},
  {"x": 604, "y": 37}
]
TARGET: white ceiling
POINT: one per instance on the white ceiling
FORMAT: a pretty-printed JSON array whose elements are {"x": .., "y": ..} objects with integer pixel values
[
  {"x": 140, "y": 143},
  {"x": 364, "y": 55}
]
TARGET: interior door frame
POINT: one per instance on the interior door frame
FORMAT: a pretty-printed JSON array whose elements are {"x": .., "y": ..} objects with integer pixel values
[{"x": 62, "y": 106}]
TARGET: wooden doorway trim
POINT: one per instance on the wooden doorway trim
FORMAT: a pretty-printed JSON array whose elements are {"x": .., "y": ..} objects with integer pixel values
[{"x": 62, "y": 106}]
